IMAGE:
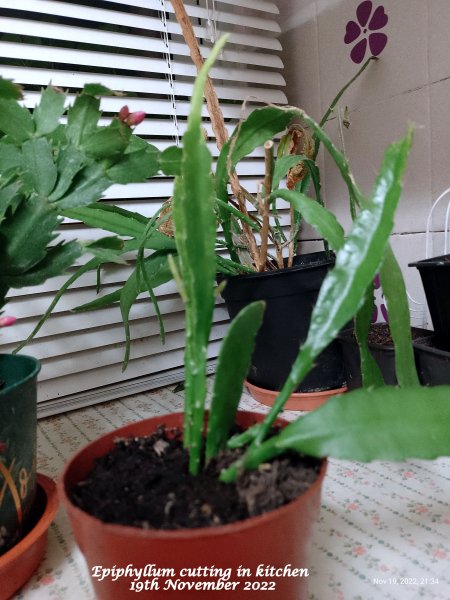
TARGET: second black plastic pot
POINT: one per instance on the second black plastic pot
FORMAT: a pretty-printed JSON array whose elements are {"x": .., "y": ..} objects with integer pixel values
[
  {"x": 435, "y": 274},
  {"x": 383, "y": 354},
  {"x": 290, "y": 295},
  {"x": 433, "y": 362}
]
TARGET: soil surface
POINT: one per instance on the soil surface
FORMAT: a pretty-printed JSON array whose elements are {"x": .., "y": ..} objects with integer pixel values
[
  {"x": 144, "y": 482},
  {"x": 380, "y": 335}
]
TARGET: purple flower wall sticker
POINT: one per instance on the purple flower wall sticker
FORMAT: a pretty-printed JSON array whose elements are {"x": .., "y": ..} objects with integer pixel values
[{"x": 366, "y": 29}]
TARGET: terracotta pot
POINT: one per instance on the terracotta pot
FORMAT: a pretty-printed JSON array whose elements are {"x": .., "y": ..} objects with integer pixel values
[
  {"x": 277, "y": 539},
  {"x": 297, "y": 401},
  {"x": 19, "y": 563}
]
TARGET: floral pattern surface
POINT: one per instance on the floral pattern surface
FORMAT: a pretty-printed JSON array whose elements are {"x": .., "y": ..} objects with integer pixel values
[
  {"x": 384, "y": 530},
  {"x": 365, "y": 31}
]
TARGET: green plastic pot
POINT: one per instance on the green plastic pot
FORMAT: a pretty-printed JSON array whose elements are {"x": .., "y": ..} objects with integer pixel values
[{"x": 18, "y": 424}]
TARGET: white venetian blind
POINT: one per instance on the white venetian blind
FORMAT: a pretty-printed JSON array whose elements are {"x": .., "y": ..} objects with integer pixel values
[{"x": 134, "y": 46}]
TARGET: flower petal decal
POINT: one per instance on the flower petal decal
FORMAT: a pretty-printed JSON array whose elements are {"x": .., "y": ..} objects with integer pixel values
[
  {"x": 359, "y": 51},
  {"x": 363, "y": 12},
  {"x": 379, "y": 19},
  {"x": 377, "y": 43},
  {"x": 360, "y": 31},
  {"x": 353, "y": 32}
]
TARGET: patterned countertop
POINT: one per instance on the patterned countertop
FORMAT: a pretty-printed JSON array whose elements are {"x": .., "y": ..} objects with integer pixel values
[{"x": 384, "y": 530}]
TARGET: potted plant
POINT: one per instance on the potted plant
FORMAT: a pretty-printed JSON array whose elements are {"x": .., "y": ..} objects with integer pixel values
[
  {"x": 46, "y": 166},
  {"x": 267, "y": 551},
  {"x": 288, "y": 284}
]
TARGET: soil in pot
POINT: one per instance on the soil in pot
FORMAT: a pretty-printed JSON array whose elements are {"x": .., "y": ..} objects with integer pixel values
[
  {"x": 276, "y": 539},
  {"x": 144, "y": 482}
]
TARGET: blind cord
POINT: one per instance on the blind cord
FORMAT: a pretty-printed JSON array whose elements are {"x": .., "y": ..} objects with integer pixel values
[{"x": 169, "y": 74}]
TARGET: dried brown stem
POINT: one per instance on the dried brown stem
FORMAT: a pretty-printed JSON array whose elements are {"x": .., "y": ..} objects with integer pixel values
[
  {"x": 268, "y": 149},
  {"x": 291, "y": 237},
  {"x": 216, "y": 116},
  {"x": 212, "y": 102}
]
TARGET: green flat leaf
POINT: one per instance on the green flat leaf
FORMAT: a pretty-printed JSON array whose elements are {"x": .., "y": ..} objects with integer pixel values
[
  {"x": 157, "y": 273},
  {"x": 232, "y": 367},
  {"x": 97, "y": 89},
  {"x": 98, "y": 303},
  {"x": 370, "y": 371},
  {"x": 9, "y": 198},
  {"x": 70, "y": 162},
  {"x": 57, "y": 260},
  {"x": 92, "y": 264},
  {"x": 170, "y": 161},
  {"x": 343, "y": 290},
  {"x": 24, "y": 238},
  {"x": 282, "y": 167},
  {"x": 195, "y": 224},
  {"x": 10, "y": 90},
  {"x": 10, "y": 157},
  {"x": 15, "y": 120},
  {"x": 136, "y": 166},
  {"x": 49, "y": 110},
  {"x": 394, "y": 290},
  {"x": 87, "y": 187},
  {"x": 39, "y": 170},
  {"x": 383, "y": 424},
  {"x": 107, "y": 141},
  {"x": 108, "y": 249},
  {"x": 323, "y": 221},
  {"x": 261, "y": 125},
  {"x": 122, "y": 222},
  {"x": 82, "y": 118}
]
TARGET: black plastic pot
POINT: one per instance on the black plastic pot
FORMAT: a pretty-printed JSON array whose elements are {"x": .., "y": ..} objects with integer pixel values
[
  {"x": 435, "y": 274},
  {"x": 433, "y": 363},
  {"x": 18, "y": 424},
  {"x": 290, "y": 295},
  {"x": 383, "y": 354}
]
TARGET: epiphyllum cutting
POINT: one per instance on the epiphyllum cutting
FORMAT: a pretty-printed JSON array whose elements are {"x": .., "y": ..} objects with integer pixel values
[{"x": 368, "y": 22}]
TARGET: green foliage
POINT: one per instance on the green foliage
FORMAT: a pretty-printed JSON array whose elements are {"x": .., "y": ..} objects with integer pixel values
[
  {"x": 47, "y": 167},
  {"x": 195, "y": 224},
  {"x": 386, "y": 423},
  {"x": 232, "y": 367}
]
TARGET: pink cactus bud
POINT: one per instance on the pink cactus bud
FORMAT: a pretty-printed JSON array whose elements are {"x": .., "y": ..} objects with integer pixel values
[
  {"x": 7, "y": 321},
  {"x": 135, "y": 118},
  {"x": 123, "y": 113}
]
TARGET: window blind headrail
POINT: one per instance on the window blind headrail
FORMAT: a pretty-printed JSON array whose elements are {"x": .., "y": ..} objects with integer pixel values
[
  {"x": 256, "y": 5},
  {"x": 91, "y": 37},
  {"x": 138, "y": 22},
  {"x": 113, "y": 16}
]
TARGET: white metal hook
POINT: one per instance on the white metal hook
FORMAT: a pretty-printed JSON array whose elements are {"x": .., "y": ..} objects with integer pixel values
[{"x": 446, "y": 230}]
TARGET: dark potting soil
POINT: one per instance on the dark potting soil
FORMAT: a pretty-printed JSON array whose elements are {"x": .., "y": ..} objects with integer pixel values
[
  {"x": 144, "y": 482},
  {"x": 380, "y": 335}
]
